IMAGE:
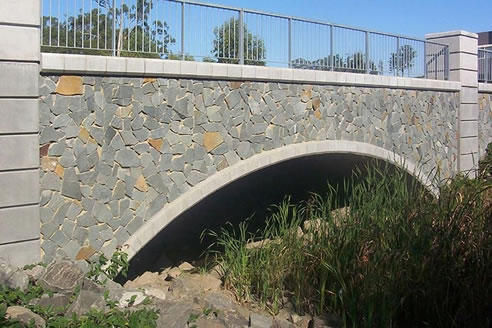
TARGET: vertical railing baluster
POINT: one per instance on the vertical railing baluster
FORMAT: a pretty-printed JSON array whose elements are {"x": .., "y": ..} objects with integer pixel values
[
  {"x": 436, "y": 58},
  {"x": 58, "y": 33},
  {"x": 114, "y": 27},
  {"x": 425, "y": 59},
  {"x": 241, "y": 37},
  {"x": 51, "y": 24},
  {"x": 446, "y": 64},
  {"x": 82, "y": 27},
  {"x": 183, "y": 30},
  {"x": 332, "y": 58},
  {"x": 290, "y": 43},
  {"x": 367, "y": 53},
  {"x": 398, "y": 54}
]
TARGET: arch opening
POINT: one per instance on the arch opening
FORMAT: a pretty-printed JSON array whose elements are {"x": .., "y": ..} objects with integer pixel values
[{"x": 249, "y": 195}]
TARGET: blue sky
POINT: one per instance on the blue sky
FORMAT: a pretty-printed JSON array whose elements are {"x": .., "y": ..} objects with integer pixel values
[{"x": 413, "y": 17}]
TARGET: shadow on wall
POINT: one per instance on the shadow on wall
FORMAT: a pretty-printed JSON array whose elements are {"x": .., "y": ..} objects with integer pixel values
[{"x": 250, "y": 196}]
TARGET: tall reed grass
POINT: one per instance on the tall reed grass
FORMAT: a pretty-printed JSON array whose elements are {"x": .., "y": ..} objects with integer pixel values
[{"x": 392, "y": 255}]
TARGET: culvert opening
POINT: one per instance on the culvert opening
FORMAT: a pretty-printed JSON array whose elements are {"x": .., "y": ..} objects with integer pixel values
[{"x": 250, "y": 197}]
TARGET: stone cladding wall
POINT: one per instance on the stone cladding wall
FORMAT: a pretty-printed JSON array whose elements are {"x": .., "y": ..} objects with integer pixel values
[
  {"x": 484, "y": 122},
  {"x": 115, "y": 150}
]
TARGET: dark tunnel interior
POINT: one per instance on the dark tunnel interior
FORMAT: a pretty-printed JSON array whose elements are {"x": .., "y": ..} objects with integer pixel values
[{"x": 249, "y": 196}]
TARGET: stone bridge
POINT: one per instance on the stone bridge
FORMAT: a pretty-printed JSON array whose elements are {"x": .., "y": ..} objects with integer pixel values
[{"x": 102, "y": 151}]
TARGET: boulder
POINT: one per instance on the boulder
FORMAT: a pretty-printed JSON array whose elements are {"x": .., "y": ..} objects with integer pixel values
[
  {"x": 173, "y": 315},
  {"x": 257, "y": 320},
  {"x": 196, "y": 284},
  {"x": 186, "y": 267},
  {"x": 13, "y": 277},
  {"x": 279, "y": 323},
  {"x": 35, "y": 272},
  {"x": 219, "y": 301},
  {"x": 125, "y": 300},
  {"x": 301, "y": 321},
  {"x": 326, "y": 321},
  {"x": 25, "y": 316},
  {"x": 149, "y": 279},
  {"x": 87, "y": 300},
  {"x": 62, "y": 276},
  {"x": 156, "y": 293},
  {"x": 172, "y": 273},
  {"x": 57, "y": 302}
]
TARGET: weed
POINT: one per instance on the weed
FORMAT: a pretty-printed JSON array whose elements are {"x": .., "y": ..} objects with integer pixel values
[
  {"x": 109, "y": 268},
  {"x": 398, "y": 257}
]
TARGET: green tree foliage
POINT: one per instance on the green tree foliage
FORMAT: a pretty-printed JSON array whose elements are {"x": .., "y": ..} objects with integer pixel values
[
  {"x": 92, "y": 32},
  {"x": 355, "y": 63},
  {"x": 403, "y": 60},
  {"x": 226, "y": 45}
]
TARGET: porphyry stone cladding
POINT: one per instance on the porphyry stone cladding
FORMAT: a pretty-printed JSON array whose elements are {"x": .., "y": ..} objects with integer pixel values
[
  {"x": 116, "y": 150},
  {"x": 484, "y": 122}
]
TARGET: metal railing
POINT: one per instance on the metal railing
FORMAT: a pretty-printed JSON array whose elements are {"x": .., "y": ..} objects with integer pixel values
[
  {"x": 485, "y": 65},
  {"x": 190, "y": 30}
]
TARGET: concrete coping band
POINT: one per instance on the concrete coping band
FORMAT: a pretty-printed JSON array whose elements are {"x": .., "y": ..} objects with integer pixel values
[
  {"x": 260, "y": 161},
  {"x": 485, "y": 87},
  {"x": 119, "y": 66}
]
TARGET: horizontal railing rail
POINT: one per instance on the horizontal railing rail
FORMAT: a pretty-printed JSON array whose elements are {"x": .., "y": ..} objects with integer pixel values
[
  {"x": 485, "y": 65},
  {"x": 191, "y": 30}
]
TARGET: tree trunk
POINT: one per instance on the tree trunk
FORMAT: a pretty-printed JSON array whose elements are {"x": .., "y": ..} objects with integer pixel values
[{"x": 120, "y": 34}]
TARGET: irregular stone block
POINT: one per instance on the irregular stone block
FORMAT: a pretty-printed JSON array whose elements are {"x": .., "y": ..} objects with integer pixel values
[
  {"x": 62, "y": 276},
  {"x": 69, "y": 85}
]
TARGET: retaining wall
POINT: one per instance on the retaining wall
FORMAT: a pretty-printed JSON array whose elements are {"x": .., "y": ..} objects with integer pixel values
[{"x": 115, "y": 150}]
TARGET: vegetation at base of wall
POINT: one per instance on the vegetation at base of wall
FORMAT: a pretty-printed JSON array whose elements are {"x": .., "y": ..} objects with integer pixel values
[
  {"x": 95, "y": 318},
  {"x": 109, "y": 268},
  {"x": 392, "y": 255}
]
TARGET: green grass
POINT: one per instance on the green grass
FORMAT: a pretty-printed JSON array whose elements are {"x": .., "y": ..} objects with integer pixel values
[{"x": 400, "y": 258}]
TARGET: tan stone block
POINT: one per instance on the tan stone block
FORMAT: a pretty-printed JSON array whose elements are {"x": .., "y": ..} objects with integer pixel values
[
  {"x": 149, "y": 80},
  {"x": 211, "y": 140},
  {"x": 156, "y": 143},
  {"x": 70, "y": 85},
  {"x": 316, "y": 103},
  {"x": 85, "y": 253},
  {"x": 124, "y": 111},
  {"x": 59, "y": 170},
  {"x": 84, "y": 135},
  {"x": 48, "y": 163},
  {"x": 306, "y": 94},
  {"x": 141, "y": 184},
  {"x": 235, "y": 84},
  {"x": 222, "y": 165},
  {"x": 317, "y": 114}
]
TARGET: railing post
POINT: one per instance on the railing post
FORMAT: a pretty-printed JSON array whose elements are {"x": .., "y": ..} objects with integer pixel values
[
  {"x": 114, "y": 28},
  {"x": 241, "y": 37},
  {"x": 425, "y": 59},
  {"x": 398, "y": 55},
  {"x": 332, "y": 58},
  {"x": 368, "y": 70},
  {"x": 183, "y": 30},
  {"x": 290, "y": 42}
]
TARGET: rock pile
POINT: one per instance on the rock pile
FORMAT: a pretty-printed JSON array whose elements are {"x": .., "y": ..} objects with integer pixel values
[{"x": 184, "y": 297}]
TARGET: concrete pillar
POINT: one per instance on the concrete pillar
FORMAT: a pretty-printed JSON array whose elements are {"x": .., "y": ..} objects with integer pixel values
[
  {"x": 463, "y": 49},
  {"x": 19, "y": 125}
]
